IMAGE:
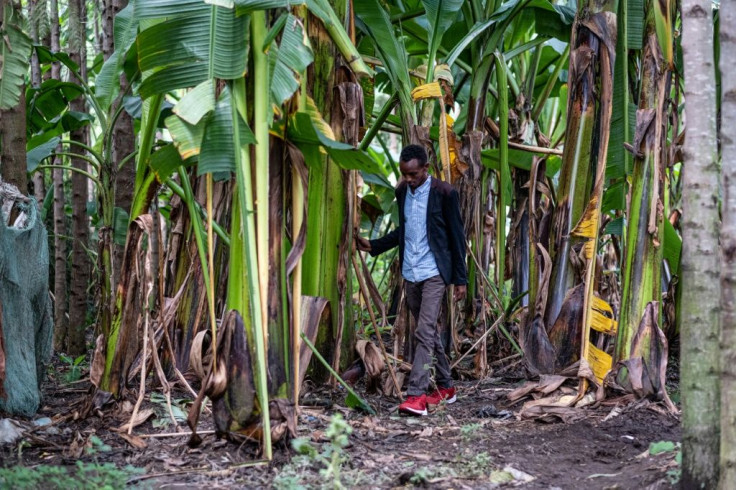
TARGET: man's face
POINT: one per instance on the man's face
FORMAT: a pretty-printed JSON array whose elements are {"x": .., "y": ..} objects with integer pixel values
[{"x": 414, "y": 173}]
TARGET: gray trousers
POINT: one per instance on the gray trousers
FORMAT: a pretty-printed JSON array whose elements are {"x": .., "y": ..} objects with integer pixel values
[{"x": 424, "y": 299}]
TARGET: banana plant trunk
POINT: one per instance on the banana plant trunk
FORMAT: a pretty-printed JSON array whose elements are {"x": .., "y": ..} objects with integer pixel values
[
  {"x": 279, "y": 338},
  {"x": 325, "y": 260},
  {"x": 645, "y": 230},
  {"x": 574, "y": 230}
]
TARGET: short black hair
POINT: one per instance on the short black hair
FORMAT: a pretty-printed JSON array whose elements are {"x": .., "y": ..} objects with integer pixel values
[{"x": 414, "y": 151}]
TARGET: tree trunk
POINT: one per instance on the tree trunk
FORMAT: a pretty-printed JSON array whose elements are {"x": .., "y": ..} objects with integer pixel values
[
  {"x": 123, "y": 137},
  {"x": 699, "y": 309},
  {"x": 728, "y": 247},
  {"x": 13, "y": 127},
  {"x": 80, "y": 264},
  {"x": 60, "y": 290},
  {"x": 13, "y": 145},
  {"x": 39, "y": 188}
]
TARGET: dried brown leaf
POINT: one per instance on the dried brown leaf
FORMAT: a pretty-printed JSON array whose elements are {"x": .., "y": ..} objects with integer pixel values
[
  {"x": 551, "y": 413},
  {"x": 371, "y": 356},
  {"x": 198, "y": 357},
  {"x": 97, "y": 368},
  {"x": 134, "y": 440},
  {"x": 140, "y": 417}
]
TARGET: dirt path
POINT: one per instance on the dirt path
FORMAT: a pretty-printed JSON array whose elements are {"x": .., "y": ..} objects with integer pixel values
[{"x": 468, "y": 444}]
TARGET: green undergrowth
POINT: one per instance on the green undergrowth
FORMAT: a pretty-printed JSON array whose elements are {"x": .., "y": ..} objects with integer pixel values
[
  {"x": 329, "y": 459},
  {"x": 82, "y": 476}
]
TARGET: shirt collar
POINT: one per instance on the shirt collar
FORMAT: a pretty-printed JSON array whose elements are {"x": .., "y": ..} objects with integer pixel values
[{"x": 422, "y": 188}]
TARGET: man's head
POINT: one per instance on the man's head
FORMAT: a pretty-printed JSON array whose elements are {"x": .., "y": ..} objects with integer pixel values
[{"x": 414, "y": 166}]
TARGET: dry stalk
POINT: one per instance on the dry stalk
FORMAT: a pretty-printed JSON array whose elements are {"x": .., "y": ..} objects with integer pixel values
[
  {"x": 364, "y": 292},
  {"x": 162, "y": 379},
  {"x": 142, "y": 390},
  {"x": 174, "y": 434},
  {"x": 481, "y": 339}
]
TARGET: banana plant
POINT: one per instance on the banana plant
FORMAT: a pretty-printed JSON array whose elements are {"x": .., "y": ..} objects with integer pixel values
[
  {"x": 559, "y": 334},
  {"x": 640, "y": 339},
  {"x": 225, "y": 43},
  {"x": 49, "y": 118}
]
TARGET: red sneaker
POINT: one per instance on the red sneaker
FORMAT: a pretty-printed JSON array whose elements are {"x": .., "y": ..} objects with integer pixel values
[
  {"x": 442, "y": 394},
  {"x": 414, "y": 405}
]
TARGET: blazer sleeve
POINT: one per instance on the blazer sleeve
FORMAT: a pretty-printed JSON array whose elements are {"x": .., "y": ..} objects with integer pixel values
[
  {"x": 456, "y": 239},
  {"x": 386, "y": 242},
  {"x": 391, "y": 239}
]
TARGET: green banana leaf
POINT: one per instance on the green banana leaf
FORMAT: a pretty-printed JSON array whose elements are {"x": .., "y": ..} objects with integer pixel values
[
  {"x": 552, "y": 20},
  {"x": 39, "y": 153},
  {"x": 303, "y": 131},
  {"x": 615, "y": 227},
  {"x": 218, "y": 151},
  {"x": 107, "y": 82},
  {"x": 149, "y": 9},
  {"x": 191, "y": 47},
  {"x": 197, "y": 102},
  {"x": 15, "y": 54},
  {"x": 375, "y": 22},
  {"x": 164, "y": 162},
  {"x": 45, "y": 104},
  {"x": 440, "y": 15},
  {"x": 501, "y": 14},
  {"x": 288, "y": 60},
  {"x": 614, "y": 197},
  {"x": 672, "y": 247},
  {"x": 519, "y": 159},
  {"x": 187, "y": 137}
]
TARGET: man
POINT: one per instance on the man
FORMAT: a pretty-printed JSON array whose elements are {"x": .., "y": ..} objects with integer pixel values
[{"x": 431, "y": 245}]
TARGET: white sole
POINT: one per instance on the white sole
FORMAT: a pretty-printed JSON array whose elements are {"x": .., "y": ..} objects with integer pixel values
[
  {"x": 411, "y": 411},
  {"x": 445, "y": 400}
]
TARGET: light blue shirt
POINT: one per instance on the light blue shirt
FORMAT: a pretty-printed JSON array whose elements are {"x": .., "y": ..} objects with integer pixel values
[{"x": 419, "y": 263}]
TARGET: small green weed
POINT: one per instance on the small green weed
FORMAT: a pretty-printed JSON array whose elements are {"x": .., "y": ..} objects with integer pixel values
[
  {"x": 425, "y": 474},
  {"x": 478, "y": 466},
  {"x": 163, "y": 417},
  {"x": 661, "y": 447},
  {"x": 97, "y": 446},
  {"x": 74, "y": 372},
  {"x": 469, "y": 431},
  {"x": 331, "y": 457},
  {"x": 83, "y": 476}
]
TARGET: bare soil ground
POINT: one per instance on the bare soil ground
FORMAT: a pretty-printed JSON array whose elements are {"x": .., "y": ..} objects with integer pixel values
[{"x": 469, "y": 444}]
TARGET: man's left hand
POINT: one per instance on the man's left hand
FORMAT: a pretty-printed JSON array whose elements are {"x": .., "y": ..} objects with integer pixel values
[{"x": 460, "y": 292}]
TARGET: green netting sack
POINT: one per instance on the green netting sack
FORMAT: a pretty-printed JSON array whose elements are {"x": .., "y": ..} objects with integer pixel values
[{"x": 26, "y": 325}]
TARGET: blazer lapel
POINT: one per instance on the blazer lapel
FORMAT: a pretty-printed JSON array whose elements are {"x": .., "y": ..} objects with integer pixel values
[{"x": 431, "y": 203}]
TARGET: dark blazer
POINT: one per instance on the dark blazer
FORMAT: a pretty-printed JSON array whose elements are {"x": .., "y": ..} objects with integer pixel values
[{"x": 444, "y": 232}]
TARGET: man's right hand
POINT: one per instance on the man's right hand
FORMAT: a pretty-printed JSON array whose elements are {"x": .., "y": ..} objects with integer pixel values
[{"x": 362, "y": 244}]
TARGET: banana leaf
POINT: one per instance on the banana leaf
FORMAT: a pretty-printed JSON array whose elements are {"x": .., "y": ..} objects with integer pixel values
[
  {"x": 218, "y": 152},
  {"x": 373, "y": 19},
  {"x": 288, "y": 60},
  {"x": 197, "y": 102},
  {"x": 303, "y": 131},
  {"x": 440, "y": 15},
  {"x": 520, "y": 159},
  {"x": 192, "y": 46},
  {"x": 15, "y": 54},
  {"x": 107, "y": 82}
]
